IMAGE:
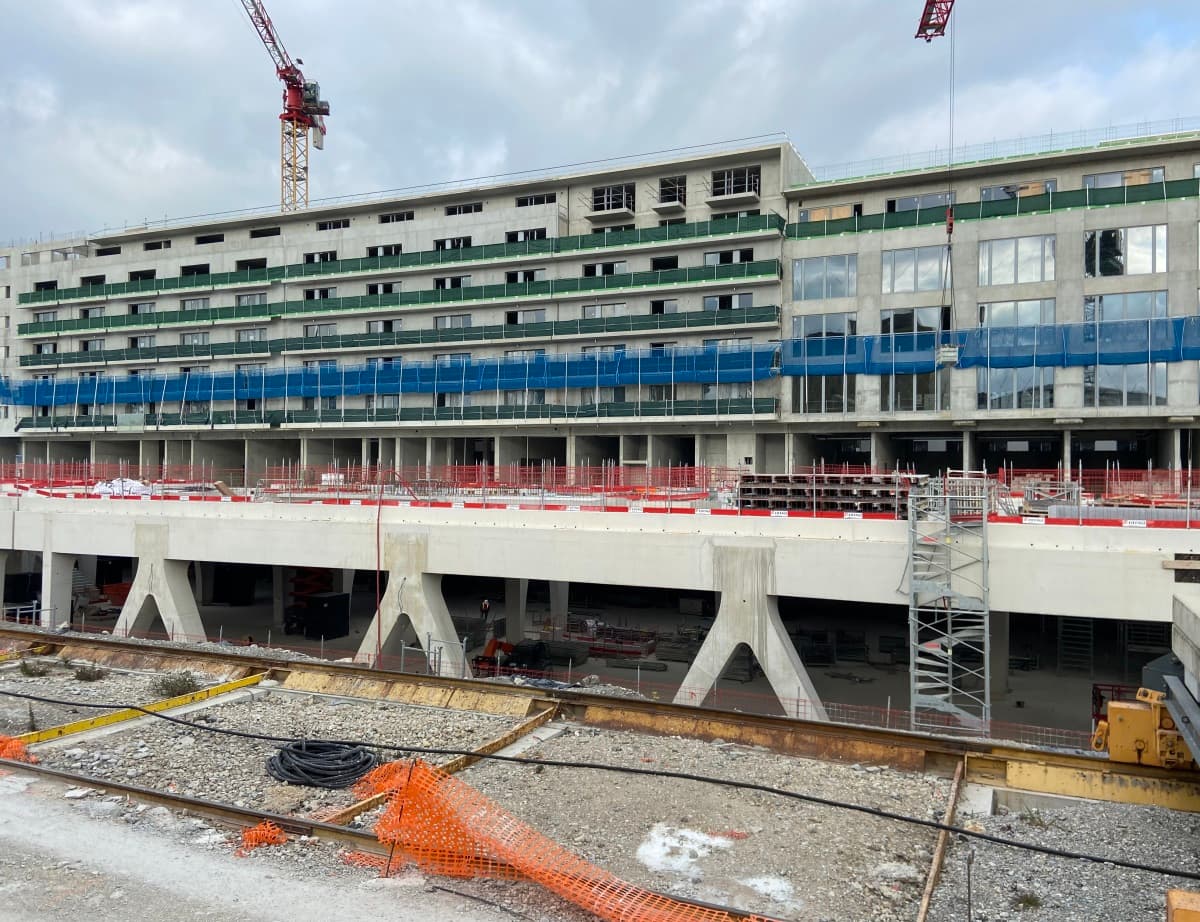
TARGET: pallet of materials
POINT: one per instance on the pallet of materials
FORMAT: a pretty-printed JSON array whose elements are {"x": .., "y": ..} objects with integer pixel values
[{"x": 603, "y": 640}]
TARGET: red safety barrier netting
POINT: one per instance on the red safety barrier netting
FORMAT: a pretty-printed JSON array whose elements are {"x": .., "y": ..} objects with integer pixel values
[
  {"x": 14, "y": 750},
  {"x": 447, "y": 827},
  {"x": 265, "y": 833}
]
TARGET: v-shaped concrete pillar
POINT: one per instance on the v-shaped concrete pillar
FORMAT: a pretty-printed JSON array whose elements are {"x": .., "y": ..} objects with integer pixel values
[
  {"x": 749, "y": 613},
  {"x": 413, "y": 604},
  {"x": 160, "y": 585}
]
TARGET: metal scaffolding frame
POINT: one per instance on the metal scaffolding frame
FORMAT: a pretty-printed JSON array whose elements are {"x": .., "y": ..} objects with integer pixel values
[{"x": 948, "y": 612}]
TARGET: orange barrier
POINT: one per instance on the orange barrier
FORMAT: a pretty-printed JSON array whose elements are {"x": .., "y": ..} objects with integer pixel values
[
  {"x": 14, "y": 750},
  {"x": 265, "y": 833},
  {"x": 447, "y": 827}
]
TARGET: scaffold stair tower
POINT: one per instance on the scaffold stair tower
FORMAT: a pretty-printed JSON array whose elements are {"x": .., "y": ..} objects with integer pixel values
[{"x": 948, "y": 613}]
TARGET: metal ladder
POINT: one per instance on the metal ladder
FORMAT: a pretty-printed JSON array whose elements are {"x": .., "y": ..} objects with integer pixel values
[
  {"x": 948, "y": 613},
  {"x": 1075, "y": 648}
]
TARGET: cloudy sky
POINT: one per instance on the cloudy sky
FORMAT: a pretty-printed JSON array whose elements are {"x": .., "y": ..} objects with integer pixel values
[{"x": 115, "y": 112}]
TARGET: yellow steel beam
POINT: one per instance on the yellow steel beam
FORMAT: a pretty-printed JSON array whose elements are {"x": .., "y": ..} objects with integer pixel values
[
  {"x": 21, "y": 654},
  {"x": 116, "y": 717}
]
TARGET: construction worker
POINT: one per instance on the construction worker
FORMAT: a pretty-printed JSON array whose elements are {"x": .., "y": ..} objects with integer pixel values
[{"x": 485, "y": 608}]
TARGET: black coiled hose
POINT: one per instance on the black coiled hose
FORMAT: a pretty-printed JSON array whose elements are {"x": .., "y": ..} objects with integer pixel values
[{"x": 320, "y": 763}]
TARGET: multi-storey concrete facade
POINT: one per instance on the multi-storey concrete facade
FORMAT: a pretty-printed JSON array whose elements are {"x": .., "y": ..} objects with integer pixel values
[{"x": 718, "y": 308}]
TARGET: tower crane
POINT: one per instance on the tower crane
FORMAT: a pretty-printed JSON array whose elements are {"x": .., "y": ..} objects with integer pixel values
[
  {"x": 303, "y": 113},
  {"x": 934, "y": 19}
]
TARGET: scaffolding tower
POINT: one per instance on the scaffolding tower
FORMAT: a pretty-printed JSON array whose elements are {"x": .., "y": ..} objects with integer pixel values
[{"x": 948, "y": 613}]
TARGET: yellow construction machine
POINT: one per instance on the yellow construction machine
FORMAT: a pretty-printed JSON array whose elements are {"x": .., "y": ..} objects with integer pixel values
[{"x": 1143, "y": 732}]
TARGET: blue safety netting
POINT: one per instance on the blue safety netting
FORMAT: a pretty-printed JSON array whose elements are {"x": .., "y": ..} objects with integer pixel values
[{"x": 705, "y": 365}]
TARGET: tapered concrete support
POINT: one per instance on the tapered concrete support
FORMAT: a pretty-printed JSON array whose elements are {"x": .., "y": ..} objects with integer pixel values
[
  {"x": 3, "y": 575},
  {"x": 204, "y": 576},
  {"x": 413, "y": 601},
  {"x": 998, "y": 647},
  {"x": 749, "y": 614},
  {"x": 55, "y": 605},
  {"x": 346, "y": 584},
  {"x": 279, "y": 594},
  {"x": 559, "y": 596},
  {"x": 516, "y": 616},
  {"x": 160, "y": 586}
]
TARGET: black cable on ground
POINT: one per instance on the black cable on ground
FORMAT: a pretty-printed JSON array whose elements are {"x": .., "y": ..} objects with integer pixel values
[
  {"x": 320, "y": 763},
  {"x": 657, "y": 773}
]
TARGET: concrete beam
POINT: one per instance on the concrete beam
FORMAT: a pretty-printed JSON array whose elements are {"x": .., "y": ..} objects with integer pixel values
[{"x": 749, "y": 615}]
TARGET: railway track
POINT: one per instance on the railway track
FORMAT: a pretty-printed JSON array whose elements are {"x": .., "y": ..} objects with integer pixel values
[{"x": 983, "y": 762}]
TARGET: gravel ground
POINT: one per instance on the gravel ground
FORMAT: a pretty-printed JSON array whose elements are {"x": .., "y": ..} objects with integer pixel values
[
  {"x": 166, "y": 756},
  {"x": 71, "y": 854},
  {"x": 60, "y": 682},
  {"x": 738, "y": 848},
  {"x": 1007, "y": 884}
]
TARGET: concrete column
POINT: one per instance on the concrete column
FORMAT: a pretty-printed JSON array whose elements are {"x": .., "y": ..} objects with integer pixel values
[
  {"x": 1170, "y": 449},
  {"x": 748, "y": 613},
  {"x": 968, "y": 451},
  {"x": 56, "y": 589},
  {"x": 204, "y": 575},
  {"x": 883, "y": 453},
  {"x": 998, "y": 653},
  {"x": 804, "y": 451},
  {"x": 516, "y": 616},
  {"x": 160, "y": 587},
  {"x": 1067, "y": 466},
  {"x": 413, "y": 601},
  {"x": 279, "y": 594},
  {"x": 346, "y": 584},
  {"x": 559, "y": 595},
  {"x": 87, "y": 567},
  {"x": 3, "y": 575}
]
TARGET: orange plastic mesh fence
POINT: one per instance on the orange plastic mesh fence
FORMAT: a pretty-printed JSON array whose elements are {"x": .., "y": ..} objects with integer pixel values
[
  {"x": 265, "y": 833},
  {"x": 447, "y": 827},
  {"x": 14, "y": 750}
]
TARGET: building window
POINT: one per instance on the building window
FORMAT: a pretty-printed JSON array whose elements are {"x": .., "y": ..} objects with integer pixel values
[
  {"x": 383, "y": 326},
  {"x": 534, "y": 397},
  {"x": 671, "y": 222},
  {"x": 252, "y": 300},
  {"x": 194, "y": 269},
  {"x": 523, "y": 355},
  {"x": 250, "y": 265},
  {"x": 672, "y": 189},
  {"x": 1016, "y": 388},
  {"x": 193, "y": 339},
  {"x": 204, "y": 239},
  {"x": 319, "y": 294},
  {"x": 518, "y": 276},
  {"x": 447, "y": 282},
  {"x": 257, "y": 233},
  {"x": 104, "y": 251},
  {"x": 592, "y": 270},
  {"x": 90, "y": 313},
  {"x": 465, "y": 208},
  {"x": 830, "y": 212},
  {"x": 726, "y": 257},
  {"x": 141, "y": 275},
  {"x": 51, "y": 285},
  {"x": 538, "y": 198},
  {"x": 663, "y": 263},
  {"x": 612, "y": 198},
  {"x": 920, "y": 390},
  {"x": 316, "y": 330},
  {"x": 916, "y": 202},
  {"x": 156, "y": 245},
  {"x": 610, "y": 351},
  {"x": 452, "y": 358},
  {"x": 1016, "y": 260},
  {"x": 452, "y": 322},
  {"x": 321, "y": 256},
  {"x": 734, "y": 215},
  {"x": 90, "y": 281},
  {"x": 590, "y": 396},
  {"x": 319, "y": 403},
  {"x": 383, "y": 401},
  {"x": 382, "y": 288},
  {"x": 393, "y": 217},
  {"x": 520, "y": 236},
  {"x": 596, "y": 311},
  {"x": 335, "y": 224},
  {"x": 1125, "y": 251},
  {"x": 825, "y": 393},
  {"x": 738, "y": 301},
  {"x": 735, "y": 391},
  {"x": 92, "y": 345},
  {"x": 737, "y": 181},
  {"x": 1017, "y": 190},
  {"x": 384, "y": 249},
  {"x": 452, "y": 243},
  {"x": 45, "y": 316},
  {"x": 142, "y": 307},
  {"x": 1139, "y": 385},
  {"x": 915, "y": 269},
  {"x": 1119, "y": 178},
  {"x": 194, "y": 304},
  {"x": 532, "y": 315},
  {"x": 665, "y": 306},
  {"x": 252, "y": 335},
  {"x": 818, "y": 277},
  {"x": 660, "y": 393},
  {"x": 141, "y": 342}
]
